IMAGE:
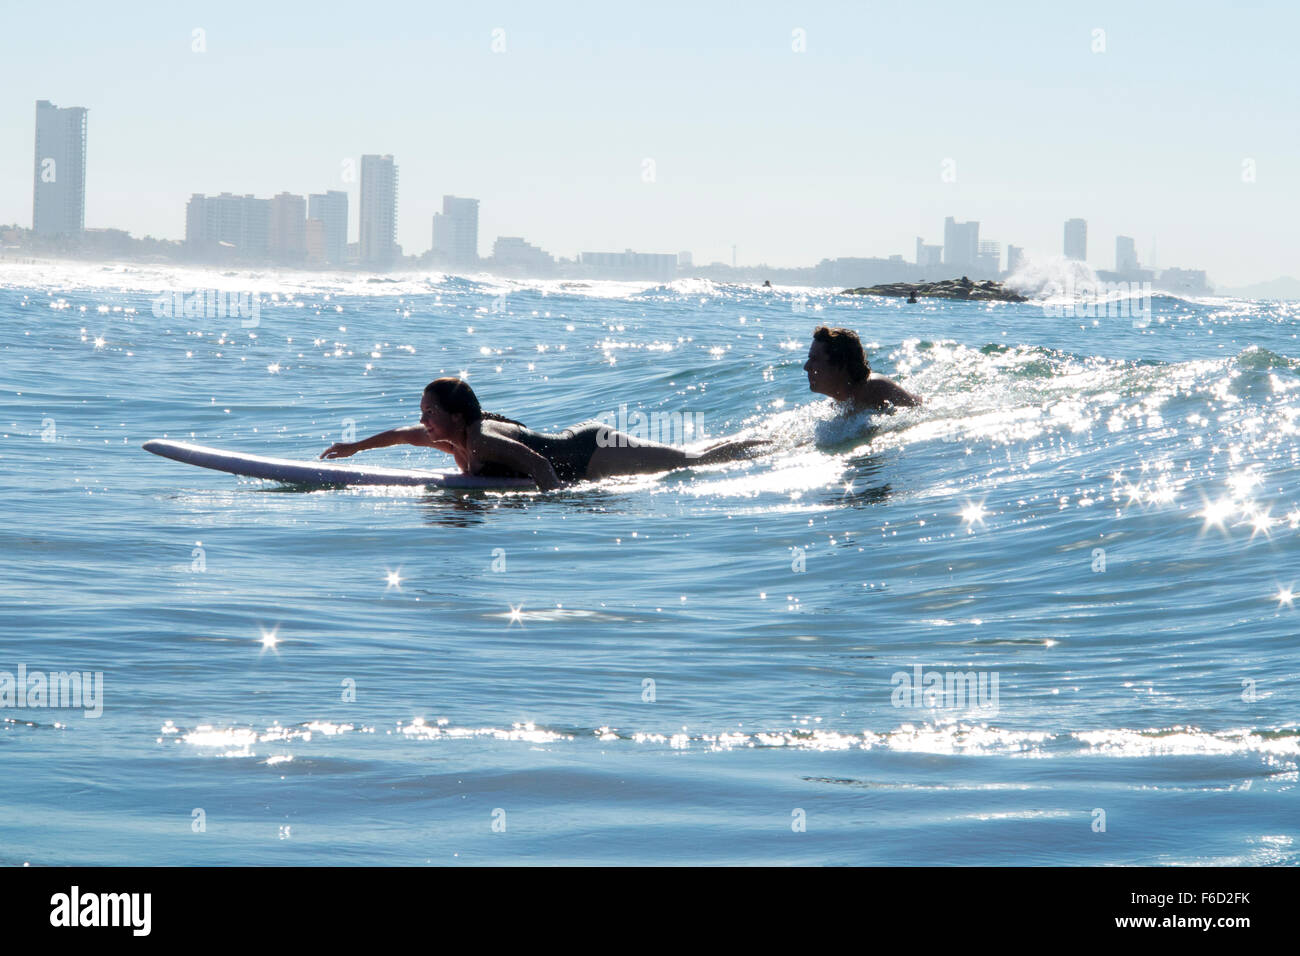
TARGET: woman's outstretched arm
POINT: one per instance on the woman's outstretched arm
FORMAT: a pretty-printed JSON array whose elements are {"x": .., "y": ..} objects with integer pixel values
[{"x": 403, "y": 435}]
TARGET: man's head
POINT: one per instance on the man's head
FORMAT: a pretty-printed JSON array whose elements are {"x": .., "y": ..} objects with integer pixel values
[{"x": 836, "y": 363}]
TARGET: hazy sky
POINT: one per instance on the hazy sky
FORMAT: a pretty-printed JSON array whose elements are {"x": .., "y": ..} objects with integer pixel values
[{"x": 839, "y": 150}]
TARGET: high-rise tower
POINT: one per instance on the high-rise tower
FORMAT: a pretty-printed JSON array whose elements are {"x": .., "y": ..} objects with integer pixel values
[
  {"x": 378, "y": 215},
  {"x": 59, "y": 185}
]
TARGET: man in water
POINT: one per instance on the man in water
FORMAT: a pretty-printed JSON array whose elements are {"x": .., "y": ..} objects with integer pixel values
[{"x": 837, "y": 366}]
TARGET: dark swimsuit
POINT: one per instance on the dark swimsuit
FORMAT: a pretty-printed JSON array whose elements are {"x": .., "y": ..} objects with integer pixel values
[{"x": 569, "y": 452}]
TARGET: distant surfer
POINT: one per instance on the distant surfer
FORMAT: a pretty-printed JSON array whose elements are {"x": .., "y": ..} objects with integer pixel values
[
  {"x": 489, "y": 445},
  {"x": 837, "y": 367}
]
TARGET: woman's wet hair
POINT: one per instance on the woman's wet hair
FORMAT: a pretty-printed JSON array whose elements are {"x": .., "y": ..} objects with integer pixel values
[
  {"x": 455, "y": 397},
  {"x": 845, "y": 350}
]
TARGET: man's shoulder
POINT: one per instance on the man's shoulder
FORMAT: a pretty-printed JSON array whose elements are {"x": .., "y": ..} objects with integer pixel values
[
  {"x": 881, "y": 385},
  {"x": 883, "y": 389}
]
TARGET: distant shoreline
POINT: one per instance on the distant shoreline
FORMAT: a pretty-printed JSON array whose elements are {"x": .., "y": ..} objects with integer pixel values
[{"x": 982, "y": 290}]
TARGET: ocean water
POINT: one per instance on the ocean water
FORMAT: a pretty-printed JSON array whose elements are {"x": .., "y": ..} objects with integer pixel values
[{"x": 1087, "y": 537}]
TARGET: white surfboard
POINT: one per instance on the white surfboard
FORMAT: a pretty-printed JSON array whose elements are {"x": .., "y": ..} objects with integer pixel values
[{"x": 319, "y": 472}]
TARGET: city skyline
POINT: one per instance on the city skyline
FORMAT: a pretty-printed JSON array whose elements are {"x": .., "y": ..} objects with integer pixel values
[
  {"x": 794, "y": 134},
  {"x": 314, "y": 229},
  {"x": 311, "y": 231}
]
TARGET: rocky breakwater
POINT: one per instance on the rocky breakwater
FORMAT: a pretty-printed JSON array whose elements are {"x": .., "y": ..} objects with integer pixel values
[{"x": 984, "y": 290}]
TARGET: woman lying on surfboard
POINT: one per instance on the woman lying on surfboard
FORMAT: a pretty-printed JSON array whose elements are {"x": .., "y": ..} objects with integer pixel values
[{"x": 490, "y": 445}]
